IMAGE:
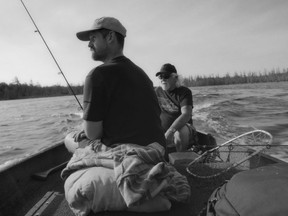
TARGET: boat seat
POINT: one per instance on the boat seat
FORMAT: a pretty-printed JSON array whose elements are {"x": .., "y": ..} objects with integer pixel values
[{"x": 51, "y": 204}]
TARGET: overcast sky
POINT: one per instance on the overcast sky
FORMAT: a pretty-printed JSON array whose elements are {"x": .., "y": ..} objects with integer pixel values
[{"x": 200, "y": 37}]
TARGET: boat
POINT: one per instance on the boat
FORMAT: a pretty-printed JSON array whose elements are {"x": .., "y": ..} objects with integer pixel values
[{"x": 33, "y": 185}]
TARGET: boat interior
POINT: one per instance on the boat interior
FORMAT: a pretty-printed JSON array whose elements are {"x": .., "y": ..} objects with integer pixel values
[{"x": 24, "y": 194}]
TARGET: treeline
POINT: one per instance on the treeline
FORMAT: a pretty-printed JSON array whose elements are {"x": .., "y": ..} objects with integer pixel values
[
  {"x": 20, "y": 91},
  {"x": 275, "y": 75},
  {"x": 17, "y": 90}
]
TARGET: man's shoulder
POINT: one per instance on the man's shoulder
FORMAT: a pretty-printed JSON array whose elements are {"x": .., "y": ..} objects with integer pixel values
[
  {"x": 183, "y": 90},
  {"x": 120, "y": 63},
  {"x": 95, "y": 72},
  {"x": 103, "y": 69}
]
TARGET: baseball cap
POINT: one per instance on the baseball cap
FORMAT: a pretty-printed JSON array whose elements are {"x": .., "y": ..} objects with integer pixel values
[
  {"x": 110, "y": 23},
  {"x": 167, "y": 69}
]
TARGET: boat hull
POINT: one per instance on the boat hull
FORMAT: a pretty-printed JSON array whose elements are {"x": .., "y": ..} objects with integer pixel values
[{"x": 19, "y": 191}]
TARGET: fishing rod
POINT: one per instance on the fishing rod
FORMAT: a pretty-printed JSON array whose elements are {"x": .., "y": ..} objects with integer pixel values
[{"x": 37, "y": 30}]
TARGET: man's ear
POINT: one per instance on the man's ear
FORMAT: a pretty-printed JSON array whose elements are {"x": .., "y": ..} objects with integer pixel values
[{"x": 110, "y": 36}]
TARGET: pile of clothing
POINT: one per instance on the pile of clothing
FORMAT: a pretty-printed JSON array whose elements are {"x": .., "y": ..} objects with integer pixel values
[{"x": 125, "y": 177}]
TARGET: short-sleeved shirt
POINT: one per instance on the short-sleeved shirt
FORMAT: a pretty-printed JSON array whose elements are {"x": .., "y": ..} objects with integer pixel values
[
  {"x": 120, "y": 94},
  {"x": 171, "y": 103}
]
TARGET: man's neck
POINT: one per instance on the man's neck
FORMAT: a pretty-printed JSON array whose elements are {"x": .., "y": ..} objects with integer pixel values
[{"x": 113, "y": 55}]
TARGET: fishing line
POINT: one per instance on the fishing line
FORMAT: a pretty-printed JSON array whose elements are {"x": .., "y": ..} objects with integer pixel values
[{"x": 37, "y": 30}]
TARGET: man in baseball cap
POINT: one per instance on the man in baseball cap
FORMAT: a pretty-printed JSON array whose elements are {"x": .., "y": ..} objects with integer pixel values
[
  {"x": 176, "y": 103},
  {"x": 120, "y": 105}
]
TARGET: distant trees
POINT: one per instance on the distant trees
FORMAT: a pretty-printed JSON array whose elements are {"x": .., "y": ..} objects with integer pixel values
[
  {"x": 275, "y": 75},
  {"x": 16, "y": 90}
]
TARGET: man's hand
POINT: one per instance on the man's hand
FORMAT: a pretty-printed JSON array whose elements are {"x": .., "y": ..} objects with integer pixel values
[{"x": 79, "y": 136}]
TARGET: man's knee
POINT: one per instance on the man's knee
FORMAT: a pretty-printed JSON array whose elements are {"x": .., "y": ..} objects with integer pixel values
[
  {"x": 181, "y": 139},
  {"x": 182, "y": 134},
  {"x": 69, "y": 142},
  {"x": 72, "y": 145}
]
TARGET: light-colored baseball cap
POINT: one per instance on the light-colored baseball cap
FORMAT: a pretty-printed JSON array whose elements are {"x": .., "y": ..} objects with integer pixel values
[{"x": 110, "y": 23}]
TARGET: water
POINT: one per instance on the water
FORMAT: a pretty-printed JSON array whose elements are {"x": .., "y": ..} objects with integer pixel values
[
  {"x": 27, "y": 126},
  {"x": 30, "y": 125},
  {"x": 228, "y": 111}
]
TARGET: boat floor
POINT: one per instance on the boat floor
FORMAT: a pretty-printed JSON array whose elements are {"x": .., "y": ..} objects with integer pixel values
[{"x": 201, "y": 189}]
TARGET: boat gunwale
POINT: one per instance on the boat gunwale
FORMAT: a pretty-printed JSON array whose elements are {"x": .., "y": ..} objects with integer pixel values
[{"x": 4, "y": 167}]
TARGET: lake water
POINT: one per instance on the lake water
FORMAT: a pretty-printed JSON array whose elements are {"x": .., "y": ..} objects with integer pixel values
[{"x": 29, "y": 125}]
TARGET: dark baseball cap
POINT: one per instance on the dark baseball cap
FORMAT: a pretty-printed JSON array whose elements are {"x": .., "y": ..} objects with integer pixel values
[{"x": 167, "y": 69}]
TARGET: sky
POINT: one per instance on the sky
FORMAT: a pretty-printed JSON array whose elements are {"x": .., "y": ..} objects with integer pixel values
[{"x": 199, "y": 37}]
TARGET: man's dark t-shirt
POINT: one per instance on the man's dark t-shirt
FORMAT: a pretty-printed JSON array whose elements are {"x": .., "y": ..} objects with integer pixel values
[
  {"x": 171, "y": 103},
  {"x": 120, "y": 94}
]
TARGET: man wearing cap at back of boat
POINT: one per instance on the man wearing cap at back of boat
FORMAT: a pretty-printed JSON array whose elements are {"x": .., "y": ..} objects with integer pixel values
[
  {"x": 120, "y": 105},
  {"x": 176, "y": 105}
]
